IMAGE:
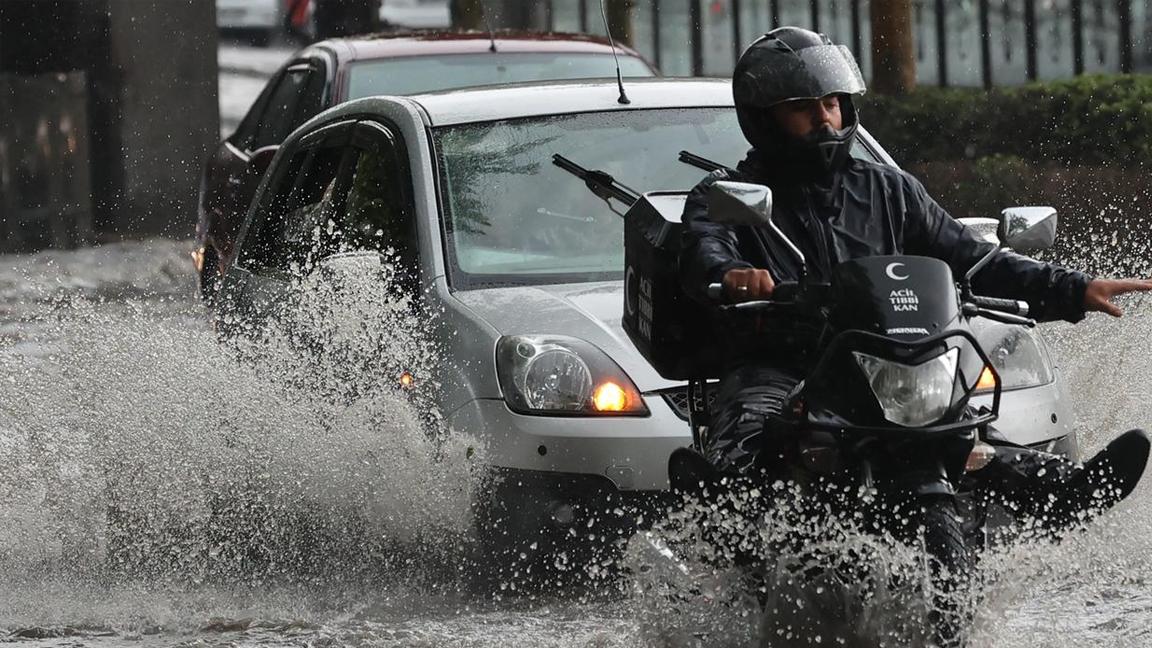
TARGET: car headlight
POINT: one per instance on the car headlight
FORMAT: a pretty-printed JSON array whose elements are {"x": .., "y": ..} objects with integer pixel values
[
  {"x": 911, "y": 395},
  {"x": 559, "y": 375},
  {"x": 1016, "y": 353}
]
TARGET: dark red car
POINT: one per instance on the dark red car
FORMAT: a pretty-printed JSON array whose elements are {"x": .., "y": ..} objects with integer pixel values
[{"x": 333, "y": 71}]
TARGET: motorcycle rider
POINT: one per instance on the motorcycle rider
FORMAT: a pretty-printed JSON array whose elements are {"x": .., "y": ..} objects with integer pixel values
[{"x": 794, "y": 93}]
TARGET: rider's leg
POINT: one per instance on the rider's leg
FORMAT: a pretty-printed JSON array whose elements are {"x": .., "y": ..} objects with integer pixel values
[
  {"x": 736, "y": 438},
  {"x": 747, "y": 396},
  {"x": 1058, "y": 492}
]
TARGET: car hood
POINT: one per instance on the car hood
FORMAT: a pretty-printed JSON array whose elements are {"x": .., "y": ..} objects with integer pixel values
[{"x": 589, "y": 311}]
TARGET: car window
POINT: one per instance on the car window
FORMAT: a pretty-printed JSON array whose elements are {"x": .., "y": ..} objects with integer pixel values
[
  {"x": 512, "y": 216},
  {"x": 416, "y": 74},
  {"x": 281, "y": 114},
  {"x": 245, "y": 136},
  {"x": 293, "y": 212},
  {"x": 334, "y": 199},
  {"x": 379, "y": 211},
  {"x": 311, "y": 98}
]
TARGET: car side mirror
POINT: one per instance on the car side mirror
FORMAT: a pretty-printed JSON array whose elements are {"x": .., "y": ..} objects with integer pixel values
[
  {"x": 740, "y": 203},
  {"x": 1028, "y": 228},
  {"x": 353, "y": 268},
  {"x": 261, "y": 159},
  {"x": 350, "y": 263}
]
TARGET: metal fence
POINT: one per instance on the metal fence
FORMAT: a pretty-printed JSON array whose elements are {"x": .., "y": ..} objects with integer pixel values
[{"x": 957, "y": 42}]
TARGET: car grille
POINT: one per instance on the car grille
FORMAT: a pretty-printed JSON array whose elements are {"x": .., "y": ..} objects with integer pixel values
[{"x": 677, "y": 399}]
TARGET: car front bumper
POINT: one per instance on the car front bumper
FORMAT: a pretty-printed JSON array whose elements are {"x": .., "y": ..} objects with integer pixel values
[
  {"x": 1032, "y": 416},
  {"x": 631, "y": 453}
]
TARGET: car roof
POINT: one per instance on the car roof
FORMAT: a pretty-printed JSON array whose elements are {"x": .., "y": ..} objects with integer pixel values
[
  {"x": 432, "y": 43},
  {"x": 491, "y": 103}
]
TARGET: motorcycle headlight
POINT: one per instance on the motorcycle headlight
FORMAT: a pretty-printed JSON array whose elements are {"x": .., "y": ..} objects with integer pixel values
[
  {"x": 562, "y": 375},
  {"x": 1017, "y": 354},
  {"x": 911, "y": 395}
]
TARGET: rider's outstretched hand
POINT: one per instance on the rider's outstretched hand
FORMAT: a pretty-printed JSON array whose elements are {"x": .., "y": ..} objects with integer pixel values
[
  {"x": 748, "y": 284},
  {"x": 1098, "y": 296}
]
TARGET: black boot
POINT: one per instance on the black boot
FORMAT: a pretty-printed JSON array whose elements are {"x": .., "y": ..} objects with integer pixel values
[
  {"x": 1058, "y": 493},
  {"x": 1104, "y": 480}
]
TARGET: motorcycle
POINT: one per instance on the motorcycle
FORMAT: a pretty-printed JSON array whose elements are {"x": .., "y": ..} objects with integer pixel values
[
  {"x": 904, "y": 385},
  {"x": 885, "y": 409}
]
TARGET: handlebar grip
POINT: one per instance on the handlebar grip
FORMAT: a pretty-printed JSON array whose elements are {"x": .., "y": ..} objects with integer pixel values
[
  {"x": 1011, "y": 306},
  {"x": 1006, "y": 318},
  {"x": 784, "y": 291}
]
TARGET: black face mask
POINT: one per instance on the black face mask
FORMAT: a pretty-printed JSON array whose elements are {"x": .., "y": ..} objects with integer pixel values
[{"x": 821, "y": 152}]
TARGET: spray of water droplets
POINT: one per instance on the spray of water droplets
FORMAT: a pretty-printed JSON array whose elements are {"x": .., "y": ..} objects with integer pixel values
[{"x": 140, "y": 452}]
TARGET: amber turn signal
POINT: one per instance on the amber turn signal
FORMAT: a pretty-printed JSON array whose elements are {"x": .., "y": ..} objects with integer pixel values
[
  {"x": 987, "y": 381},
  {"x": 610, "y": 397}
]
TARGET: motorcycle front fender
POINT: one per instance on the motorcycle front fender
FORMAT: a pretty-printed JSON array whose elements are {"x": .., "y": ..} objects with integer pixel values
[{"x": 926, "y": 483}]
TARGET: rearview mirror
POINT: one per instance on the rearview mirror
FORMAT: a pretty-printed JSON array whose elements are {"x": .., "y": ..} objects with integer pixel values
[
  {"x": 739, "y": 203},
  {"x": 742, "y": 203},
  {"x": 1028, "y": 228}
]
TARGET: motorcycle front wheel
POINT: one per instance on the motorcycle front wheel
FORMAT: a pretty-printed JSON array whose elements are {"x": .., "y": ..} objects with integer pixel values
[{"x": 951, "y": 563}]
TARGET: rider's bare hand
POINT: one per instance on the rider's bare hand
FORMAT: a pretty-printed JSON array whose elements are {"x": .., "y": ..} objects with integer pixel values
[
  {"x": 748, "y": 284},
  {"x": 1098, "y": 296}
]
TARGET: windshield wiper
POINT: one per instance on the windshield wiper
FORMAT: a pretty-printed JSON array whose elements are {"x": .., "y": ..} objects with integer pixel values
[
  {"x": 599, "y": 182},
  {"x": 703, "y": 162}
]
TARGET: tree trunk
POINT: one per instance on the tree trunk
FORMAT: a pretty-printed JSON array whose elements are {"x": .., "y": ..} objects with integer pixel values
[
  {"x": 620, "y": 14},
  {"x": 467, "y": 15},
  {"x": 893, "y": 59}
]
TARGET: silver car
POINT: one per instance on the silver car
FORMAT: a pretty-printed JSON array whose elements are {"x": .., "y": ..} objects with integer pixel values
[{"x": 524, "y": 262}]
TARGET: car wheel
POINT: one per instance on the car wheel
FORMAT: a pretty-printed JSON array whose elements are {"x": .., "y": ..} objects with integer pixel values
[{"x": 530, "y": 541}]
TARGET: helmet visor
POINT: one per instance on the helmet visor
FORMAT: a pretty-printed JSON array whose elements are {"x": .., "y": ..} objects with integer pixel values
[{"x": 809, "y": 73}]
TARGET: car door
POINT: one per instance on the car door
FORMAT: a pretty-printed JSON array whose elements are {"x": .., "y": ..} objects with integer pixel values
[{"x": 295, "y": 94}]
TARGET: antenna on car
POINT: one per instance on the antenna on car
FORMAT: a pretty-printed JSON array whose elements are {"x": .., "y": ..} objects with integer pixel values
[
  {"x": 488, "y": 26},
  {"x": 619, "y": 77}
]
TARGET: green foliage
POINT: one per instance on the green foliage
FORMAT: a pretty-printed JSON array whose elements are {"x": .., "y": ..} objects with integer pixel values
[{"x": 1098, "y": 120}]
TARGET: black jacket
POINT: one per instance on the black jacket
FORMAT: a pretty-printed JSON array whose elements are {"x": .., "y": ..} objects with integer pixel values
[{"x": 869, "y": 209}]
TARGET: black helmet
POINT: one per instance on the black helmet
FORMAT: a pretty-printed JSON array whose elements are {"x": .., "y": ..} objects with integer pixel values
[{"x": 787, "y": 64}]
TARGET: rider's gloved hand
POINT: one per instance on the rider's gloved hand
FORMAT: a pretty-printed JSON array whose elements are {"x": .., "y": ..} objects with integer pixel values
[{"x": 748, "y": 284}]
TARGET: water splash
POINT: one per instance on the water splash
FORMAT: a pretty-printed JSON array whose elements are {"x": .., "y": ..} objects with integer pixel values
[{"x": 138, "y": 447}]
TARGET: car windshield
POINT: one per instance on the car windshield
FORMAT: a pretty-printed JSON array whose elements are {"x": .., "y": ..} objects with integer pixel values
[
  {"x": 418, "y": 74},
  {"x": 512, "y": 216}
]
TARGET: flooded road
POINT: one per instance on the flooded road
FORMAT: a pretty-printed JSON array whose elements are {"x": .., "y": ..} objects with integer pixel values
[{"x": 116, "y": 396}]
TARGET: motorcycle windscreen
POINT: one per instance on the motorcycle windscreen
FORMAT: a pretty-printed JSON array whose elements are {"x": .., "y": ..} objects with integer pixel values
[{"x": 905, "y": 297}]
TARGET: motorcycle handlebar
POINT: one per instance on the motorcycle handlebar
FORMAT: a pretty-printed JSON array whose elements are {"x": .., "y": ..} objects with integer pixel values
[
  {"x": 784, "y": 292},
  {"x": 783, "y": 297},
  {"x": 997, "y": 316},
  {"x": 1010, "y": 306}
]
